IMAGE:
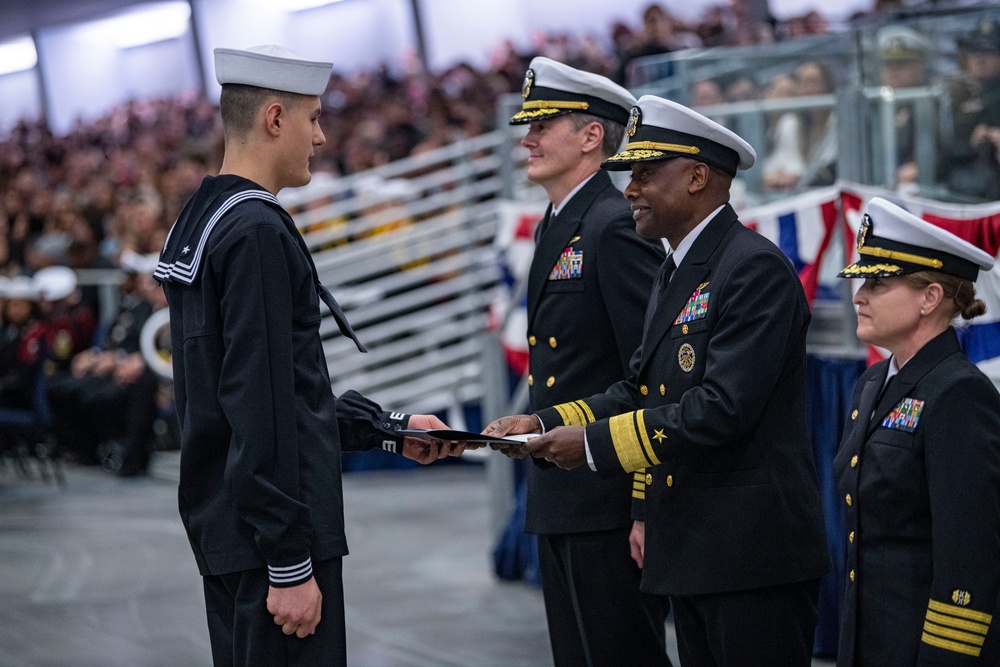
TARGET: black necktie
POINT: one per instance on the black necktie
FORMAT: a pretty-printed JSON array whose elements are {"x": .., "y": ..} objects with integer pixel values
[
  {"x": 659, "y": 290},
  {"x": 338, "y": 314},
  {"x": 544, "y": 224},
  {"x": 669, "y": 267},
  {"x": 324, "y": 293}
]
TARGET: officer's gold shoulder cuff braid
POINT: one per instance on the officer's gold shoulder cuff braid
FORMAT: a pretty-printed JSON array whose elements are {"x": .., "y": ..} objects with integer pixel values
[
  {"x": 575, "y": 413},
  {"x": 955, "y": 628},
  {"x": 631, "y": 441}
]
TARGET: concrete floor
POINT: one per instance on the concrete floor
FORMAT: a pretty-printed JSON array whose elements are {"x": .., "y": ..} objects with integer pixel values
[{"x": 99, "y": 573}]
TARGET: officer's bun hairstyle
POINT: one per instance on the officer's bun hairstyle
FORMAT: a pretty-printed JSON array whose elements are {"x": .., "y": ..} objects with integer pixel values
[{"x": 961, "y": 293}]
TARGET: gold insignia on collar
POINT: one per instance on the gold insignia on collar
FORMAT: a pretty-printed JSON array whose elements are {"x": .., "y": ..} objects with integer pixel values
[
  {"x": 866, "y": 224},
  {"x": 685, "y": 358},
  {"x": 529, "y": 79},
  {"x": 961, "y": 598},
  {"x": 634, "y": 119}
]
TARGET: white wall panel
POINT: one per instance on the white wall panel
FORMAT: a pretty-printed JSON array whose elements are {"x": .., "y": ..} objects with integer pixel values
[
  {"x": 353, "y": 34},
  {"x": 86, "y": 74},
  {"x": 19, "y": 98}
]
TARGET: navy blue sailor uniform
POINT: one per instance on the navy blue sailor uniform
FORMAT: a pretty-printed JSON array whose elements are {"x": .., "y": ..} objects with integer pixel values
[
  {"x": 714, "y": 412},
  {"x": 588, "y": 288},
  {"x": 261, "y": 431},
  {"x": 919, "y": 473}
]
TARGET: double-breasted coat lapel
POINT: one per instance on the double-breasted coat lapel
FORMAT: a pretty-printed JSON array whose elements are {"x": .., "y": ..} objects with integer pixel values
[
  {"x": 557, "y": 234},
  {"x": 685, "y": 280}
]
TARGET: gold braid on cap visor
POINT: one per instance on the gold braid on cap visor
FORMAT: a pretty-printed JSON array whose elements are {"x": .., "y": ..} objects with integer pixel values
[
  {"x": 901, "y": 257},
  {"x": 556, "y": 104},
  {"x": 638, "y": 150}
]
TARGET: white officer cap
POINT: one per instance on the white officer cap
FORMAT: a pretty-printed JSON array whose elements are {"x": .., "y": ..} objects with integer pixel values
[
  {"x": 133, "y": 262},
  {"x": 552, "y": 89},
  {"x": 55, "y": 282},
  {"x": 894, "y": 242},
  {"x": 273, "y": 67},
  {"x": 897, "y": 42},
  {"x": 659, "y": 129},
  {"x": 19, "y": 288}
]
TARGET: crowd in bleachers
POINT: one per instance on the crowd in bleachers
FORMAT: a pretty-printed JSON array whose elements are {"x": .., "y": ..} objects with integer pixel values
[{"x": 112, "y": 187}]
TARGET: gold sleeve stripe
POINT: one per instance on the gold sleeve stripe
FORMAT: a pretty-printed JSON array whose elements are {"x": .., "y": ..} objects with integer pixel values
[
  {"x": 588, "y": 414},
  {"x": 957, "y": 635},
  {"x": 971, "y": 626},
  {"x": 563, "y": 413},
  {"x": 639, "y": 495},
  {"x": 962, "y": 612},
  {"x": 571, "y": 414},
  {"x": 626, "y": 442},
  {"x": 646, "y": 444},
  {"x": 639, "y": 486},
  {"x": 950, "y": 645}
]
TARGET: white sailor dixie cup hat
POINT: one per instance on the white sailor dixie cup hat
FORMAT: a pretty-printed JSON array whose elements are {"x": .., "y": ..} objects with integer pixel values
[
  {"x": 273, "y": 67},
  {"x": 894, "y": 242},
  {"x": 552, "y": 89},
  {"x": 659, "y": 129}
]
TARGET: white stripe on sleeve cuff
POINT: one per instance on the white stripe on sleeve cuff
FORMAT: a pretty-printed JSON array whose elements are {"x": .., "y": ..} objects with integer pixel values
[{"x": 291, "y": 575}]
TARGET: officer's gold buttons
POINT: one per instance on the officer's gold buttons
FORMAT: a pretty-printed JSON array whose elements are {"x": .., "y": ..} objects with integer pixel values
[
  {"x": 854, "y": 415},
  {"x": 649, "y": 478},
  {"x": 551, "y": 381},
  {"x": 670, "y": 480},
  {"x": 852, "y": 575},
  {"x": 684, "y": 329},
  {"x": 552, "y": 341},
  {"x": 531, "y": 380},
  {"x": 854, "y": 461},
  {"x": 850, "y": 537},
  {"x": 532, "y": 340},
  {"x": 644, "y": 390},
  {"x": 849, "y": 500},
  {"x": 663, "y": 390}
]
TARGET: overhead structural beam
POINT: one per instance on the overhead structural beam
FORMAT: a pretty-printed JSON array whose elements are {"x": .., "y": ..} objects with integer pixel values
[
  {"x": 199, "y": 58},
  {"x": 418, "y": 29}
]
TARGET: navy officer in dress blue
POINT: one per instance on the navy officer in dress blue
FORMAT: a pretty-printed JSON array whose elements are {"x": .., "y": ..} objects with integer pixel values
[
  {"x": 919, "y": 463},
  {"x": 713, "y": 409},
  {"x": 261, "y": 431},
  {"x": 588, "y": 287}
]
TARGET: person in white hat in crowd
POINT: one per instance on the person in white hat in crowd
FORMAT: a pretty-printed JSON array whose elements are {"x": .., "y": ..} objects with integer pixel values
[
  {"x": 22, "y": 342},
  {"x": 903, "y": 55},
  {"x": 588, "y": 287},
  {"x": 919, "y": 464},
  {"x": 105, "y": 404},
  {"x": 262, "y": 432},
  {"x": 70, "y": 324},
  {"x": 713, "y": 409}
]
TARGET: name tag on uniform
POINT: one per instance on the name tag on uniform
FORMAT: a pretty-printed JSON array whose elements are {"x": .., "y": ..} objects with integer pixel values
[
  {"x": 569, "y": 266},
  {"x": 905, "y": 416},
  {"x": 696, "y": 307}
]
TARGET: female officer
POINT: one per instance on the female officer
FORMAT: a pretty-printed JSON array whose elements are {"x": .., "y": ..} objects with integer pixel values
[{"x": 919, "y": 465}]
